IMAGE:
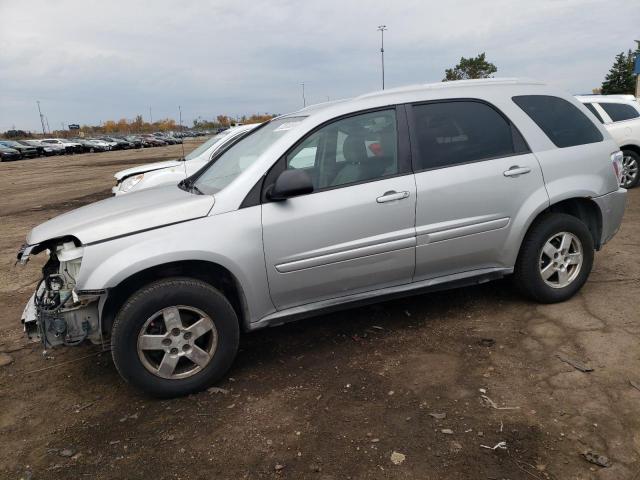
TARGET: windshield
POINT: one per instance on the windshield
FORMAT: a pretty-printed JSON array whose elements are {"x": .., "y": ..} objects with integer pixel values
[
  {"x": 205, "y": 146},
  {"x": 242, "y": 155}
]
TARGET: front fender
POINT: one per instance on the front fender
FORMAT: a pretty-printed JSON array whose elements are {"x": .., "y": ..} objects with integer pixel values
[{"x": 232, "y": 240}]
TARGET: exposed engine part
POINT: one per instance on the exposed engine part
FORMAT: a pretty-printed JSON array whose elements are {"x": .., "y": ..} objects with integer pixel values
[{"x": 57, "y": 316}]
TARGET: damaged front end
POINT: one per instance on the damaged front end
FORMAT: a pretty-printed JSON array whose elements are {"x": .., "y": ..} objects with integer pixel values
[{"x": 58, "y": 314}]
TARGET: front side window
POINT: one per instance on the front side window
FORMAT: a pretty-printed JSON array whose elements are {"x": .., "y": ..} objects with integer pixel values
[
  {"x": 351, "y": 150},
  {"x": 241, "y": 155},
  {"x": 619, "y": 111},
  {"x": 595, "y": 112},
  {"x": 562, "y": 122},
  {"x": 455, "y": 132}
]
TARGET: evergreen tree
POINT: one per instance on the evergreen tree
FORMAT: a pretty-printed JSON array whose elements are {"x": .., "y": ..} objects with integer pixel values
[
  {"x": 473, "y": 67},
  {"x": 620, "y": 78}
]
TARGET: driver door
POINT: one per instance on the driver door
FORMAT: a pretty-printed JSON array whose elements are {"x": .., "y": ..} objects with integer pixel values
[{"x": 356, "y": 231}]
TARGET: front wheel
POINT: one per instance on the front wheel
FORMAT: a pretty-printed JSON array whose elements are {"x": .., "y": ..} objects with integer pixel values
[
  {"x": 555, "y": 258},
  {"x": 174, "y": 337}
]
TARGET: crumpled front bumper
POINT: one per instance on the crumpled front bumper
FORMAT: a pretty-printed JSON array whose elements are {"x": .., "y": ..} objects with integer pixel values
[{"x": 67, "y": 326}]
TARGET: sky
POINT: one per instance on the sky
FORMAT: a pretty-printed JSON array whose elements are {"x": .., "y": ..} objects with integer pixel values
[{"x": 90, "y": 61}]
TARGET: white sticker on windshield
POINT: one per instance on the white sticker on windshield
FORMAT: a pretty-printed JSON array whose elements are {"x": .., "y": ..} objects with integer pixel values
[{"x": 286, "y": 126}]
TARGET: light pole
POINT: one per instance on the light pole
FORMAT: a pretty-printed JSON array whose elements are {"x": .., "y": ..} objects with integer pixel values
[
  {"x": 41, "y": 117},
  {"x": 150, "y": 117},
  {"x": 381, "y": 29},
  {"x": 304, "y": 100},
  {"x": 636, "y": 69}
]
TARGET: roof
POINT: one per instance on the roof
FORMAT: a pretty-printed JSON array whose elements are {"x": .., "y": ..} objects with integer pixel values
[
  {"x": 606, "y": 98},
  {"x": 452, "y": 84},
  {"x": 392, "y": 95}
]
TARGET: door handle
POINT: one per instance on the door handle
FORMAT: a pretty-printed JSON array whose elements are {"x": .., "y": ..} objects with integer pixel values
[
  {"x": 391, "y": 196},
  {"x": 516, "y": 171}
]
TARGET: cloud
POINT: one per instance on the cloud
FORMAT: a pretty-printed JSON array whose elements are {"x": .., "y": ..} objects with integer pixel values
[{"x": 88, "y": 61}]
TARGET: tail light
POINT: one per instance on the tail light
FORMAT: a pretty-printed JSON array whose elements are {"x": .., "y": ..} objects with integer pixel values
[{"x": 616, "y": 160}]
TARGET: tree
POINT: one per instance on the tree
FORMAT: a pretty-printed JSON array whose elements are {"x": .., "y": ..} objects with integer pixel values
[
  {"x": 620, "y": 78},
  {"x": 476, "y": 67}
]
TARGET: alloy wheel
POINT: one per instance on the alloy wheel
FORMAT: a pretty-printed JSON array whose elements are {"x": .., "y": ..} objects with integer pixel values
[
  {"x": 629, "y": 171},
  {"x": 177, "y": 342},
  {"x": 561, "y": 259}
]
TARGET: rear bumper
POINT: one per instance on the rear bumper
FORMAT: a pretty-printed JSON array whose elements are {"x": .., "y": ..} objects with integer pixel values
[{"x": 612, "y": 206}]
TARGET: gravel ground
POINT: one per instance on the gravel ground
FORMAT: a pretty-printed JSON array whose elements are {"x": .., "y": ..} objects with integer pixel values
[{"x": 412, "y": 388}]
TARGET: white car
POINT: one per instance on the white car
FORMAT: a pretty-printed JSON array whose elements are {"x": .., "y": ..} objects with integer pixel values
[
  {"x": 68, "y": 145},
  {"x": 620, "y": 115},
  {"x": 57, "y": 149},
  {"x": 173, "y": 171}
]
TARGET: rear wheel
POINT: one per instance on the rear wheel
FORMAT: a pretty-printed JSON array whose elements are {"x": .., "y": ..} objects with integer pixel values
[
  {"x": 630, "y": 173},
  {"x": 175, "y": 337},
  {"x": 555, "y": 258}
]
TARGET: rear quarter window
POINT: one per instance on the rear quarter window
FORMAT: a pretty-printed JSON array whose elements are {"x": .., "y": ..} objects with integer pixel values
[
  {"x": 619, "y": 111},
  {"x": 562, "y": 122}
]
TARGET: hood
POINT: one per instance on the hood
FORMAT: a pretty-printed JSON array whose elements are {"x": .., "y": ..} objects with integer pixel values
[
  {"x": 145, "y": 168},
  {"x": 125, "y": 214}
]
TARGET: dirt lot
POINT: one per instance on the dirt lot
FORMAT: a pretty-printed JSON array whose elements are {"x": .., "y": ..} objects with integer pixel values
[{"x": 333, "y": 397}]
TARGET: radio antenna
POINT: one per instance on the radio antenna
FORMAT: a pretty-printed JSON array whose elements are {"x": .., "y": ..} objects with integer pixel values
[{"x": 181, "y": 138}]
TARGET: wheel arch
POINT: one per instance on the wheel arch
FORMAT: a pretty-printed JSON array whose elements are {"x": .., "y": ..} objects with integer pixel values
[
  {"x": 583, "y": 208},
  {"x": 212, "y": 273},
  {"x": 634, "y": 148}
]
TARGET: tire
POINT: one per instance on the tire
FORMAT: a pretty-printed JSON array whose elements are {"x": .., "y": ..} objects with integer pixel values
[
  {"x": 149, "y": 316},
  {"x": 630, "y": 169},
  {"x": 546, "y": 233}
]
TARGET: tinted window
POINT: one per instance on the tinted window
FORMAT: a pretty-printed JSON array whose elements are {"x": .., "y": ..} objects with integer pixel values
[
  {"x": 562, "y": 122},
  {"x": 355, "y": 149},
  {"x": 450, "y": 133},
  {"x": 619, "y": 111},
  {"x": 593, "y": 110}
]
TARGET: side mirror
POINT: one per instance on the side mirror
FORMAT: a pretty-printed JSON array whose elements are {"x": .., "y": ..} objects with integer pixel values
[{"x": 291, "y": 183}]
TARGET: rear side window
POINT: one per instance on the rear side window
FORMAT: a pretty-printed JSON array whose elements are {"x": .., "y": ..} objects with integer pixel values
[
  {"x": 593, "y": 110},
  {"x": 619, "y": 111},
  {"x": 455, "y": 132},
  {"x": 562, "y": 122}
]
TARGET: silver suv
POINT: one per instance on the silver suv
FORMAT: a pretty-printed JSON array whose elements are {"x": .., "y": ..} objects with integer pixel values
[{"x": 389, "y": 194}]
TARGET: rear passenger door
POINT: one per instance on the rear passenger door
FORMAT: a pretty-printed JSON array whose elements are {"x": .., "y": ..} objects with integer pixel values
[{"x": 474, "y": 174}]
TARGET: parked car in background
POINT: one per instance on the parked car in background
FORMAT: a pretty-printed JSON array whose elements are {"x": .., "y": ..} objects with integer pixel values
[
  {"x": 134, "y": 140},
  {"x": 43, "y": 150},
  {"x": 410, "y": 189},
  {"x": 8, "y": 154},
  {"x": 167, "y": 138},
  {"x": 173, "y": 171},
  {"x": 154, "y": 141},
  {"x": 56, "y": 148},
  {"x": 26, "y": 151},
  {"x": 620, "y": 115},
  {"x": 77, "y": 147},
  {"x": 100, "y": 145},
  {"x": 117, "y": 143},
  {"x": 69, "y": 148},
  {"x": 87, "y": 146}
]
